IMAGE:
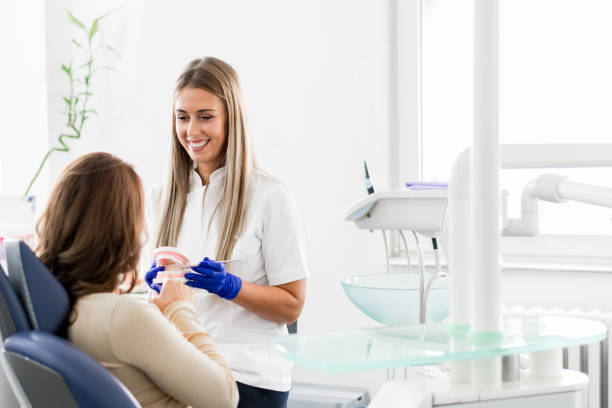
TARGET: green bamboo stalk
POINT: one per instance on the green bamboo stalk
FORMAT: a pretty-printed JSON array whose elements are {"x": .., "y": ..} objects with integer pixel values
[{"x": 76, "y": 106}]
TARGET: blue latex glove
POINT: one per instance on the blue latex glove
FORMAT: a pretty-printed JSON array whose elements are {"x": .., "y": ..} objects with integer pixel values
[
  {"x": 211, "y": 276},
  {"x": 151, "y": 275}
]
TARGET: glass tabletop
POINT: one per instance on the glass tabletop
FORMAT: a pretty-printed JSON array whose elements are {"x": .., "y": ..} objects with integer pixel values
[{"x": 426, "y": 344}]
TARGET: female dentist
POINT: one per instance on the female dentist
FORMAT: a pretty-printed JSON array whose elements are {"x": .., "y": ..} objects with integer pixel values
[{"x": 217, "y": 203}]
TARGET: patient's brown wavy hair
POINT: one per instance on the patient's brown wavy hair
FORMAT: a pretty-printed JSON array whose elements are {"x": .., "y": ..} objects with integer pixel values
[{"x": 89, "y": 234}]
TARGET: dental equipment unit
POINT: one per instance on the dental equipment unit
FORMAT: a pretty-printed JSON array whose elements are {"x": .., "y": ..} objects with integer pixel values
[
  {"x": 476, "y": 338},
  {"x": 419, "y": 211}
]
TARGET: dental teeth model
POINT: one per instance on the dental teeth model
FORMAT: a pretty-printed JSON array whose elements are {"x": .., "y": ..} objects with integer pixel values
[{"x": 173, "y": 261}]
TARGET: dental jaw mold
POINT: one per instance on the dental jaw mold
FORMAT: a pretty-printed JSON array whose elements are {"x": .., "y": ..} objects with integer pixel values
[{"x": 173, "y": 261}]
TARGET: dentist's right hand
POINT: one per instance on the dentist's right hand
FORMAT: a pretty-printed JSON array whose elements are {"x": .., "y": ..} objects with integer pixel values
[
  {"x": 151, "y": 275},
  {"x": 212, "y": 277}
]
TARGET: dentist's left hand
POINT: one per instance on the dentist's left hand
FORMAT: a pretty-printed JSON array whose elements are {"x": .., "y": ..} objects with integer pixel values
[
  {"x": 211, "y": 276},
  {"x": 151, "y": 275}
]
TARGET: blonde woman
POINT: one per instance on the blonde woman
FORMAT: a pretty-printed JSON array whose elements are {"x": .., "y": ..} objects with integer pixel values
[
  {"x": 90, "y": 240},
  {"x": 218, "y": 205}
]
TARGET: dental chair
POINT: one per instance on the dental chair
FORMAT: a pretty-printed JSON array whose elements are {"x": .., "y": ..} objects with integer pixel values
[
  {"x": 12, "y": 319},
  {"x": 50, "y": 370}
]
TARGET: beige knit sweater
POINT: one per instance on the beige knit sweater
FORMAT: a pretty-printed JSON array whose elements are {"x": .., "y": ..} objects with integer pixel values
[{"x": 165, "y": 360}]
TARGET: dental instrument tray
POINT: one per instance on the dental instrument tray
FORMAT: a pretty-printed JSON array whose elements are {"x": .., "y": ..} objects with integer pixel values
[{"x": 419, "y": 210}]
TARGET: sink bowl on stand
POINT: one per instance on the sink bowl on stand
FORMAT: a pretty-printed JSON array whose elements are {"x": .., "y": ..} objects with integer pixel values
[{"x": 393, "y": 298}]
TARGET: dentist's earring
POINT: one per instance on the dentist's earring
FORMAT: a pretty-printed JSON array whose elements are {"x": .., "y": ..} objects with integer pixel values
[{"x": 195, "y": 165}]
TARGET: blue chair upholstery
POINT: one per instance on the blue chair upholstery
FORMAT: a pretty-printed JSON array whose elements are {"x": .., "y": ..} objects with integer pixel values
[
  {"x": 51, "y": 371},
  {"x": 43, "y": 297},
  {"x": 12, "y": 316},
  {"x": 12, "y": 319}
]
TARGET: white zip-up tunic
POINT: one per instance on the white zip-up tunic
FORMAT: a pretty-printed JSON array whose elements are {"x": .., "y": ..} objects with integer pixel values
[{"x": 270, "y": 251}]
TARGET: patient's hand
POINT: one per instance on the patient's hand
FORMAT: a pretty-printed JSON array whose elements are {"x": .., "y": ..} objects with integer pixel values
[{"x": 172, "y": 291}]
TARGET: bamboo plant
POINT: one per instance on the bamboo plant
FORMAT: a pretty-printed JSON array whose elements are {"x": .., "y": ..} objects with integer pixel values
[{"x": 79, "y": 77}]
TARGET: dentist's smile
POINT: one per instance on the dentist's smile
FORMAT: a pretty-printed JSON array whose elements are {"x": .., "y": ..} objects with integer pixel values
[{"x": 199, "y": 145}]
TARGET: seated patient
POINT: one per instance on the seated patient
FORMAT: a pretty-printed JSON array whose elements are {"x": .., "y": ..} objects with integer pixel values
[{"x": 90, "y": 239}]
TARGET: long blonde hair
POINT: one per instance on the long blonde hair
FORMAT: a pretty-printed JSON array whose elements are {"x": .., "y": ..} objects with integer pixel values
[{"x": 220, "y": 79}]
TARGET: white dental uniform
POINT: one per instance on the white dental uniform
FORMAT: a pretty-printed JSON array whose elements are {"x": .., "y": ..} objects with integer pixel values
[{"x": 270, "y": 251}]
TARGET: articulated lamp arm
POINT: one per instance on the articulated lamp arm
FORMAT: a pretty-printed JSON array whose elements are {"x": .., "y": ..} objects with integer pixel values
[
  {"x": 556, "y": 189},
  {"x": 462, "y": 242}
]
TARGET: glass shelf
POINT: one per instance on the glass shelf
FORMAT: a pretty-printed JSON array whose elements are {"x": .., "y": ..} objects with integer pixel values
[{"x": 398, "y": 346}]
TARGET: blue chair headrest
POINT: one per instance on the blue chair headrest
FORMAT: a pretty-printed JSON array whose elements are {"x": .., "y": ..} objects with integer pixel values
[
  {"x": 91, "y": 384},
  {"x": 13, "y": 317},
  {"x": 43, "y": 297}
]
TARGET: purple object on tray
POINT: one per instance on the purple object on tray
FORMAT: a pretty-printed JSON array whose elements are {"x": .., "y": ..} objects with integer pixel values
[{"x": 426, "y": 185}]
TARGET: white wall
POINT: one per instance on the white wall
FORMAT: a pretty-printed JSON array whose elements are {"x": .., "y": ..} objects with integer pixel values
[
  {"x": 316, "y": 79},
  {"x": 23, "y": 120}
]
